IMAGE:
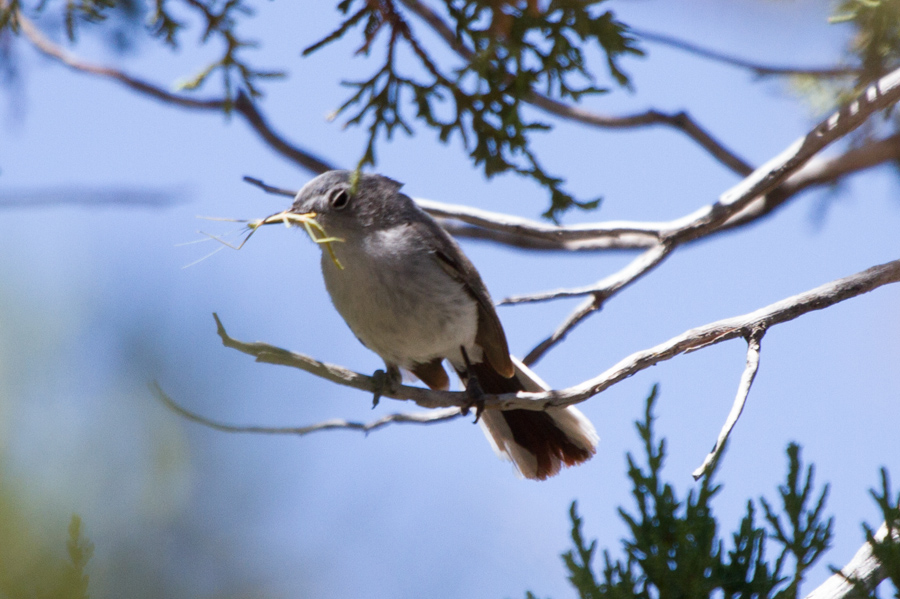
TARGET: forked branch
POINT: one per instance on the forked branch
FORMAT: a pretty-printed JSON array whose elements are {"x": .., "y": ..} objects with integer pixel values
[
  {"x": 746, "y": 325},
  {"x": 740, "y": 400}
]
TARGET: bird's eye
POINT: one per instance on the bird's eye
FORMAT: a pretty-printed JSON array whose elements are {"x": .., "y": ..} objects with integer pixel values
[{"x": 340, "y": 198}]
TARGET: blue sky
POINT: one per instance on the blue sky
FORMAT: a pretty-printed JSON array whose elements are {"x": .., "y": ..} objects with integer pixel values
[{"x": 95, "y": 305}]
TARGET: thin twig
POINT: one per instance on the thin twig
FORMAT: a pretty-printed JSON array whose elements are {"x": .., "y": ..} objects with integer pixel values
[
  {"x": 603, "y": 290},
  {"x": 758, "y": 69},
  {"x": 584, "y": 309},
  {"x": 710, "y": 334},
  {"x": 242, "y": 104},
  {"x": 430, "y": 417},
  {"x": 737, "y": 407},
  {"x": 606, "y": 287},
  {"x": 680, "y": 120},
  {"x": 269, "y": 188}
]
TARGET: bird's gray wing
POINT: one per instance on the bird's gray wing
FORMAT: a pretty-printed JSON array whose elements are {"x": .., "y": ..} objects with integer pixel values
[{"x": 490, "y": 335}]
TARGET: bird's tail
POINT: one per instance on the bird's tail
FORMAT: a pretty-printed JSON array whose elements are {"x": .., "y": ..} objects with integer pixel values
[{"x": 539, "y": 443}]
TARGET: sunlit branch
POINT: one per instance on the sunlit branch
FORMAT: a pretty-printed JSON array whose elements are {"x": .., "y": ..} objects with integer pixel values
[
  {"x": 606, "y": 287},
  {"x": 692, "y": 340},
  {"x": 609, "y": 286},
  {"x": 763, "y": 181},
  {"x": 738, "y": 406}
]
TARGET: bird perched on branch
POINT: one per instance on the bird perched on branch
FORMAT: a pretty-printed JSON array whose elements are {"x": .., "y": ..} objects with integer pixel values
[{"x": 409, "y": 294}]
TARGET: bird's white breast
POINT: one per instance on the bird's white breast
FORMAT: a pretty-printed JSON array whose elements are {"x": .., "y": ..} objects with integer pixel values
[{"x": 398, "y": 300}]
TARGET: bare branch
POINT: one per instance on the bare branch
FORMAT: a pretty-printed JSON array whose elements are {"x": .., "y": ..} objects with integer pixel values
[
  {"x": 628, "y": 235},
  {"x": 677, "y": 120},
  {"x": 680, "y": 120},
  {"x": 818, "y": 172},
  {"x": 270, "y": 354},
  {"x": 304, "y": 158},
  {"x": 601, "y": 292},
  {"x": 710, "y": 334},
  {"x": 51, "y": 50},
  {"x": 863, "y": 568},
  {"x": 584, "y": 309},
  {"x": 607, "y": 286},
  {"x": 719, "y": 331},
  {"x": 242, "y": 104},
  {"x": 336, "y": 423},
  {"x": 758, "y": 69},
  {"x": 740, "y": 399},
  {"x": 764, "y": 180},
  {"x": 475, "y": 223},
  {"x": 542, "y": 235}
]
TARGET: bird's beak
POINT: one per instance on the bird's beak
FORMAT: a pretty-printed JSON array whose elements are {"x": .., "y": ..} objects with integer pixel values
[
  {"x": 287, "y": 217},
  {"x": 308, "y": 219}
]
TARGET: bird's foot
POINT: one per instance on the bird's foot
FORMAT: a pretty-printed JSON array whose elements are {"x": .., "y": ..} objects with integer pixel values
[
  {"x": 385, "y": 382},
  {"x": 476, "y": 398},
  {"x": 473, "y": 389}
]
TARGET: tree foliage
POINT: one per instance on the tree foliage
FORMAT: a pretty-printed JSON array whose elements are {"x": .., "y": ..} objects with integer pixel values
[
  {"x": 509, "y": 49},
  {"x": 675, "y": 549},
  {"x": 504, "y": 52}
]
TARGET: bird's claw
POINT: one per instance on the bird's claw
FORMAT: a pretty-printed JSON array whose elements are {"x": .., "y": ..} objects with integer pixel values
[
  {"x": 384, "y": 382},
  {"x": 476, "y": 398}
]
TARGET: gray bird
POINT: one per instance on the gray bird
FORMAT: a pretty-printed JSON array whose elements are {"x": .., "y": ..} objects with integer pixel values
[{"x": 409, "y": 294}]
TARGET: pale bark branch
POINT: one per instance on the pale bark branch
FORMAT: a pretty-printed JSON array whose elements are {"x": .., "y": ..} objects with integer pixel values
[
  {"x": 270, "y": 354},
  {"x": 630, "y": 235},
  {"x": 527, "y": 233},
  {"x": 680, "y": 120},
  {"x": 242, "y": 104},
  {"x": 863, "y": 569},
  {"x": 601, "y": 291},
  {"x": 430, "y": 417},
  {"x": 737, "y": 407},
  {"x": 819, "y": 172},
  {"x": 694, "y": 339},
  {"x": 764, "y": 180},
  {"x": 606, "y": 287},
  {"x": 584, "y": 309}
]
